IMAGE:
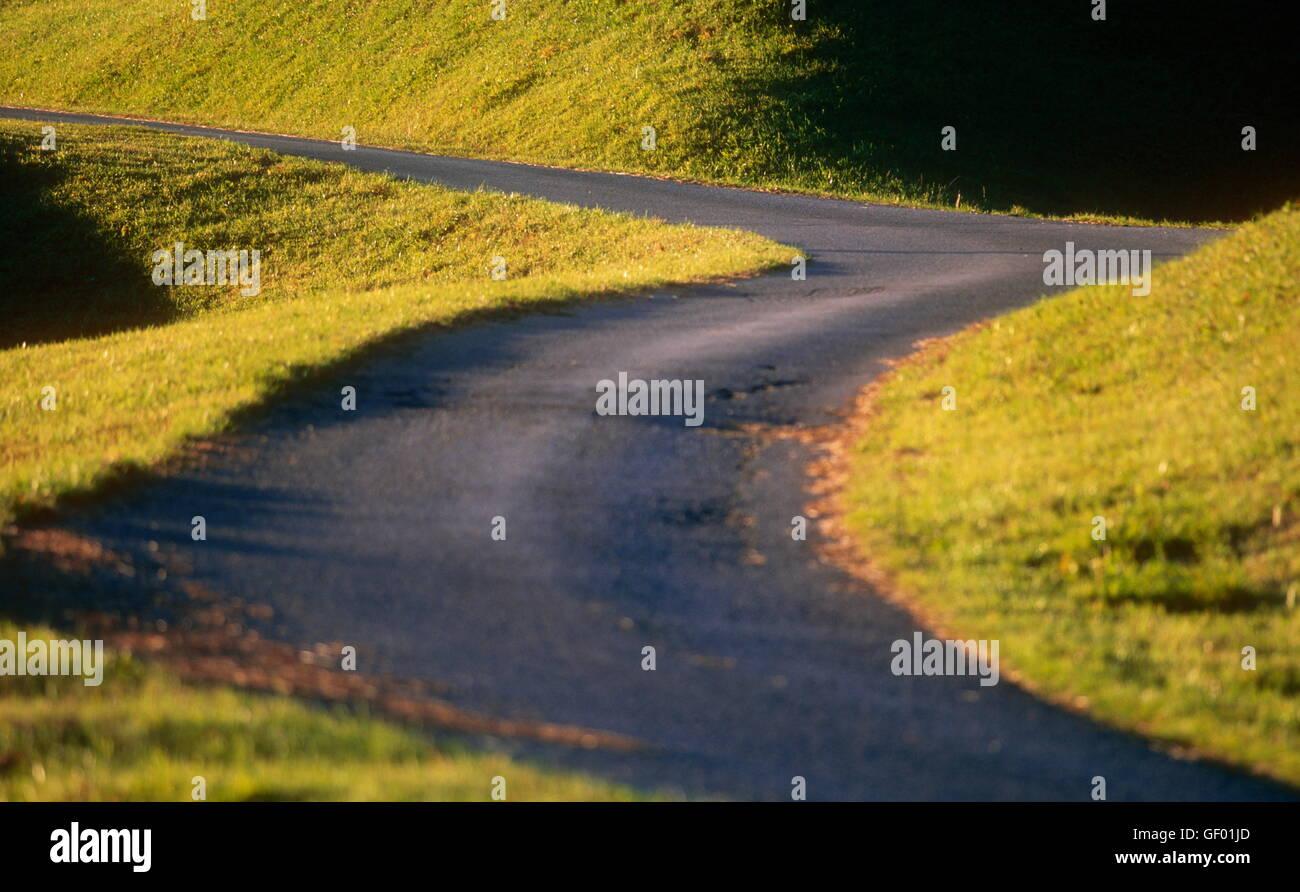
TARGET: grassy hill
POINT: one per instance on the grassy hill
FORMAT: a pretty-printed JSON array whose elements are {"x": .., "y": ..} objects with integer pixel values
[
  {"x": 1128, "y": 409},
  {"x": 1140, "y": 115}
]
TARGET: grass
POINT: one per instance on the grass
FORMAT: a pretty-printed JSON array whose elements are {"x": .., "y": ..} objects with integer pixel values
[
  {"x": 142, "y": 735},
  {"x": 1100, "y": 404},
  {"x": 1055, "y": 113},
  {"x": 349, "y": 259}
]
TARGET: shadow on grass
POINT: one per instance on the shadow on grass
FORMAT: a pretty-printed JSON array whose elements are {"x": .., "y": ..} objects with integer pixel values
[
  {"x": 63, "y": 276},
  {"x": 1141, "y": 114}
]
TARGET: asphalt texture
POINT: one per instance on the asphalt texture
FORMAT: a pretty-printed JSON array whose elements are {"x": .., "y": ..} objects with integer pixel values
[{"x": 374, "y": 527}]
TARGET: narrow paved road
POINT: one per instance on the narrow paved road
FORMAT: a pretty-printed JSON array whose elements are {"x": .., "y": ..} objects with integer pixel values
[{"x": 373, "y": 527}]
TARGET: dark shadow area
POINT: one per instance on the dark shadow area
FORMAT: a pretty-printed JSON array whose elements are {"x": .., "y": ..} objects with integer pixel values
[
  {"x": 61, "y": 275},
  {"x": 1140, "y": 114}
]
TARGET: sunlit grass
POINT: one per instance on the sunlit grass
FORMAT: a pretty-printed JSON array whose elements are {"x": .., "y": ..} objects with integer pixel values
[
  {"x": 1101, "y": 404},
  {"x": 849, "y": 101},
  {"x": 143, "y": 735}
]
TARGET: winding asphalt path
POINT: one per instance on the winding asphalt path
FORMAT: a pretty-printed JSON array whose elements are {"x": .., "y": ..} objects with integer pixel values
[{"x": 372, "y": 527}]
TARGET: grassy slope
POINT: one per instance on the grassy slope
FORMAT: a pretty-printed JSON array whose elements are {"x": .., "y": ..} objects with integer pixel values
[
  {"x": 141, "y": 735},
  {"x": 1127, "y": 408},
  {"x": 1055, "y": 113},
  {"x": 349, "y": 259}
]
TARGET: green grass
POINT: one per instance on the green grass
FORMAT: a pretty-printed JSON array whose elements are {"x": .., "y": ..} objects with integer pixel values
[
  {"x": 1097, "y": 403},
  {"x": 142, "y": 735},
  {"x": 1055, "y": 113},
  {"x": 349, "y": 259}
]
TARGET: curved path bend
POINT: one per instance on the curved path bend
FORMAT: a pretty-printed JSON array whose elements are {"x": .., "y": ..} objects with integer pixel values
[{"x": 372, "y": 527}]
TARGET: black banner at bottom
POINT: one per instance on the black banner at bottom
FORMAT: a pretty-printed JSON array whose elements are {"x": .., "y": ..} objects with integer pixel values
[{"x": 327, "y": 841}]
